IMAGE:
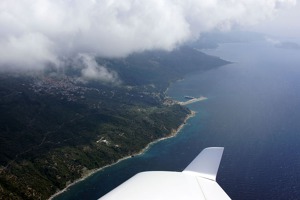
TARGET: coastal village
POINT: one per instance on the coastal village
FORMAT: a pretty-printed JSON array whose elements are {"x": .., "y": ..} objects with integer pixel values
[{"x": 65, "y": 87}]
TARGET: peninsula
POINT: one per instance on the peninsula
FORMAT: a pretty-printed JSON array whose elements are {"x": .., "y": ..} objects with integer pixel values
[
  {"x": 56, "y": 129},
  {"x": 192, "y": 100}
]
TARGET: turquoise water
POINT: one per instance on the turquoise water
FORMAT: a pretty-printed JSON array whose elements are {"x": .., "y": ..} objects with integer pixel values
[{"x": 253, "y": 110}]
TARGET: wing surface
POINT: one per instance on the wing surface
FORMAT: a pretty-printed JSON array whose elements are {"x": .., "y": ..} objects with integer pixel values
[
  {"x": 196, "y": 182},
  {"x": 206, "y": 164}
]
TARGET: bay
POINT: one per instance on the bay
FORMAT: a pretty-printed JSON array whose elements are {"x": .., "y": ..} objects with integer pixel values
[{"x": 253, "y": 110}]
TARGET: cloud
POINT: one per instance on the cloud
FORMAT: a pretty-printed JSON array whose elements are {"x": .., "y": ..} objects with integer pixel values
[
  {"x": 272, "y": 41},
  {"x": 30, "y": 49},
  {"x": 284, "y": 44},
  {"x": 37, "y": 32},
  {"x": 285, "y": 24},
  {"x": 91, "y": 70}
]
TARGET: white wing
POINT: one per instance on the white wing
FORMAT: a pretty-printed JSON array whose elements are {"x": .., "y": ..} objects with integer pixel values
[{"x": 196, "y": 182}]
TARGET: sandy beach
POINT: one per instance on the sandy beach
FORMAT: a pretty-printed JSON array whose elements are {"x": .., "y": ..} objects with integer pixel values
[{"x": 183, "y": 103}]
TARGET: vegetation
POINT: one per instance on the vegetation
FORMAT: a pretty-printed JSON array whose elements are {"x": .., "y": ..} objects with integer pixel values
[{"x": 53, "y": 129}]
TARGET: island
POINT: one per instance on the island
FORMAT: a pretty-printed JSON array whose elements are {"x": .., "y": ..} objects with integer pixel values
[{"x": 56, "y": 129}]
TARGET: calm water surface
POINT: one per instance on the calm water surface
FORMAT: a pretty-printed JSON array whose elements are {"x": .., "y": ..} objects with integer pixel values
[{"x": 253, "y": 110}]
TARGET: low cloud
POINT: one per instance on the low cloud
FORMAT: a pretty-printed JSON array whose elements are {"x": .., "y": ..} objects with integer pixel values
[
  {"x": 27, "y": 50},
  {"x": 283, "y": 44},
  {"x": 272, "y": 41},
  {"x": 36, "y": 32},
  {"x": 91, "y": 70}
]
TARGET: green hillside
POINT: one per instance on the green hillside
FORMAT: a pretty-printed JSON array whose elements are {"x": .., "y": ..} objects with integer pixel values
[{"x": 54, "y": 128}]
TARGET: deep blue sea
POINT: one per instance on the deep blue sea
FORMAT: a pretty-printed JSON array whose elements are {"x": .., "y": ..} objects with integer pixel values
[{"x": 253, "y": 110}]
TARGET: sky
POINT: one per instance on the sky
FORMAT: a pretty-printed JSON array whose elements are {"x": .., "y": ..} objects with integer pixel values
[
  {"x": 35, "y": 33},
  {"x": 284, "y": 24}
]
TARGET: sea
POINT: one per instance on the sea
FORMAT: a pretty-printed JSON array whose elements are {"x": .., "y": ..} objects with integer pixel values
[{"x": 253, "y": 110}]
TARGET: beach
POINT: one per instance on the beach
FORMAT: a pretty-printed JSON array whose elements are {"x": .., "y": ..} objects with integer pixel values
[{"x": 183, "y": 103}]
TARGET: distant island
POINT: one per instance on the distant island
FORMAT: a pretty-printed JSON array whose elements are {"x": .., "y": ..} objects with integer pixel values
[
  {"x": 56, "y": 129},
  {"x": 288, "y": 45}
]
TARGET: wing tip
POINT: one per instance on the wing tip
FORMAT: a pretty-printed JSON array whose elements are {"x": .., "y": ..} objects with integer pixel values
[{"x": 207, "y": 163}]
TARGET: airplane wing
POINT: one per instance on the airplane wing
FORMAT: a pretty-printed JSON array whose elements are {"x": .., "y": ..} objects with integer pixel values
[{"x": 196, "y": 182}]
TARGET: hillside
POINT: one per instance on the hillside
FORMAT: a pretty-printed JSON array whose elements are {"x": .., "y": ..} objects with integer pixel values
[{"x": 54, "y": 128}]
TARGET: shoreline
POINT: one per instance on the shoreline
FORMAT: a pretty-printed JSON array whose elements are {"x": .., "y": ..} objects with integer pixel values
[{"x": 89, "y": 173}]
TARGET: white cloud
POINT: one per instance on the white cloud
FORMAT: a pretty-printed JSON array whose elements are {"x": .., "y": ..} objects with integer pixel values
[
  {"x": 41, "y": 31},
  {"x": 31, "y": 49},
  {"x": 284, "y": 24},
  {"x": 272, "y": 41},
  {"x": 90, "y": 70}
]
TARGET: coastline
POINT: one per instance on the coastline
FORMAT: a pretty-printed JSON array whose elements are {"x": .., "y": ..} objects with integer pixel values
[{"x": 89, "y": 173}]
